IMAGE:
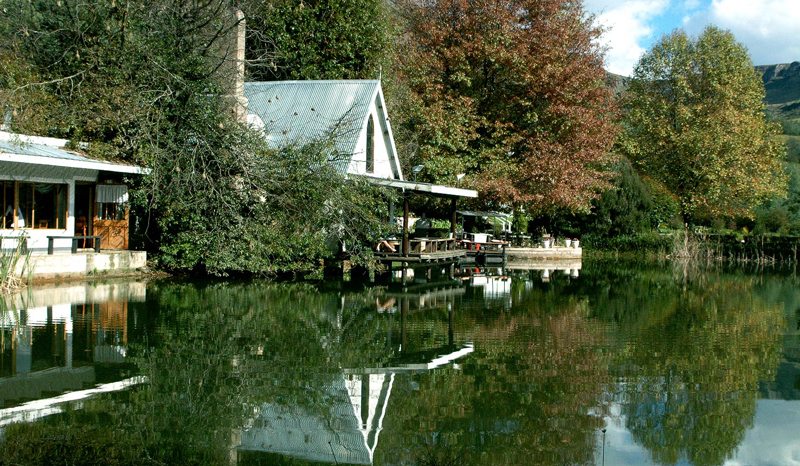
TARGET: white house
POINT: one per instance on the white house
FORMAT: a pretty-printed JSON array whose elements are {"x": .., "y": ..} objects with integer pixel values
[
  {"x": 350, "y": 113},
  {"x": 47, "y": 190}
]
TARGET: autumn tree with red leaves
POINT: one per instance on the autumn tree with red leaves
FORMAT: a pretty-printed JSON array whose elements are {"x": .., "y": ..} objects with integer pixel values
[{"x": 510, "y": 92}]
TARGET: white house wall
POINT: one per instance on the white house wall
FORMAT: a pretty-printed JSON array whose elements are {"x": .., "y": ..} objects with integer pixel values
[
  {"x": 383, "y": 147},
  {"x": 37, "y": 238}
]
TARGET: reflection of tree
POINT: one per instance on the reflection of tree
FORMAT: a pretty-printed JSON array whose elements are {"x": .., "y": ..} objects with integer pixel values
[
  {"x": 694, "y": 392},
  {"x": 530, "y": 393},
  {"x": 219, "y": 352},
  {"x": 231, "y": 348},
  {"x": 525, "y": 396}
]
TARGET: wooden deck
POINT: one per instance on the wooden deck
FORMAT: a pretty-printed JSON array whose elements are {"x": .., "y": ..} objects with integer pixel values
[
  {"x": 421, "y": 250},
  {"x": 484, "y": 252},
  {"x": 544, "y": 254}
]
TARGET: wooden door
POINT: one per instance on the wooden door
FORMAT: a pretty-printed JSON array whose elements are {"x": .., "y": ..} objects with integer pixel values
[{"x": 111, "y": 227}]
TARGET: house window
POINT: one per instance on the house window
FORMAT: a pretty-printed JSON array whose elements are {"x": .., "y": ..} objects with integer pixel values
[
  {"x": 110, "y": 211},
  {"x": 111, "y": 201},
  {"x": 8, "y": 204},
  {"x": 34, "y": 205},
  {"x": 370, "y": 145}
]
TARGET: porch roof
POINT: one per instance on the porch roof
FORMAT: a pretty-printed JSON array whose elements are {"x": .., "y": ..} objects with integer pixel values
[
  {"x": 472, "y": 213},
  {"x": 33, "y": 150},
  {"x": 424, "y": 188}
]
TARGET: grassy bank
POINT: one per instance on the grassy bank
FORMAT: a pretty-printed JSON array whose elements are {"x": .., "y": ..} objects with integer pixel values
[{"x": 717, "y": 247}]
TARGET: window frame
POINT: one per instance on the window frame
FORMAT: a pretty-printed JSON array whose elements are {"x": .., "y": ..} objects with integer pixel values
[
  {"x": 59, "y": 208},
  {"x": 370, "y": 149}
]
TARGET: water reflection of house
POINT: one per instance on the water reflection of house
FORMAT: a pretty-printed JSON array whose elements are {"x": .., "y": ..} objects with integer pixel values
[
  {"x": 346, "y": 429},
  {"x": 347, "y": 434},
  {"x": 424, "y": 297},
  {"x": 52, "y": 338},
  {"x": 498, "y": 286},
  {"x": 344, "y": 425},
  {"x": 546, "y": 269}
]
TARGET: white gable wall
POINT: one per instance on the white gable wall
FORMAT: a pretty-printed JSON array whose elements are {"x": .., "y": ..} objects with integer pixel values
[{"x": 384, "y": 148}]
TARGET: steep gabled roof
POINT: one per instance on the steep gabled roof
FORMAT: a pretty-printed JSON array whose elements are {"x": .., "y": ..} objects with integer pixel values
[{"x": 300, "y": 112}]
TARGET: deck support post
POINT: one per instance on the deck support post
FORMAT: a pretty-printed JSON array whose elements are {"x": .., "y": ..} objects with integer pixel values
[
  {"x": 360, "y": 274},
  {"x": 333, "y": 270},
  {"x": 405, "y": 225},
  {"x": 453, "y": 217},
  {"x": 403, "y": 313}
]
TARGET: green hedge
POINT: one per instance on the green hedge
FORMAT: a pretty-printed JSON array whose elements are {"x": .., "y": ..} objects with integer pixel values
[{"x": 648, "y": 242}]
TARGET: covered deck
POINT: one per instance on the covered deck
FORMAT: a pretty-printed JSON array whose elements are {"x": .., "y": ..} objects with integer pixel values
[{"x": 423, "y": 250}]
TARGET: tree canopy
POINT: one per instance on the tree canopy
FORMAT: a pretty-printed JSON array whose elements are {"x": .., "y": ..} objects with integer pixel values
[
  {"x": 316, "y": 39},
  {"x": 511, "y": 93},
  {"x": 141, "y": 82},
  {"x": 696, "y": 122}
]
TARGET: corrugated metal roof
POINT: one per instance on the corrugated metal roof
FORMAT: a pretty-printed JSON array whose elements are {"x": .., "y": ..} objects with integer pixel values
[
  {"x": 40, "y": 150},
  {"x": 302, "y": 112},
  {"x": 37, "y": 151}
]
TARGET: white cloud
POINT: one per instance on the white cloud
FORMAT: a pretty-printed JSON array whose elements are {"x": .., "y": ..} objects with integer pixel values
[
  {"x": 769, "y": 28},
  {"x": 627, "y": 25},
  {"x": 691, "y": 4}
]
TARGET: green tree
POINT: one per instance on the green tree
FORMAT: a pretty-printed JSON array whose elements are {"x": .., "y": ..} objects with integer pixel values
[
  {"x": 316, "y": 39},
  {"x": 695, "y": 116},
  {"x": 142, "y": 81}
]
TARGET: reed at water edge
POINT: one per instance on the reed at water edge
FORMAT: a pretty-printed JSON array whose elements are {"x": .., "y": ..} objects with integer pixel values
[{"x": 10, "y": 260}]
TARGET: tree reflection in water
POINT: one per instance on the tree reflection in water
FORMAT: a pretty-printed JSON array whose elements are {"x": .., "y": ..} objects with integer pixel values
[
  {"x": 694, "y": 348},
  {"x": 686, "y": 356},
  {"x": 530, "y": 394},
  {"x": 696, "y": 391}
]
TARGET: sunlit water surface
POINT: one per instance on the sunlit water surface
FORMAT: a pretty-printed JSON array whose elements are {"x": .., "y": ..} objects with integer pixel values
[{"x": 618, "y": 363}]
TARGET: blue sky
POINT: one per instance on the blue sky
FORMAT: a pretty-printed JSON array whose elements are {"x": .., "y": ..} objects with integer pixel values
[{"x": 770, "y": 29}]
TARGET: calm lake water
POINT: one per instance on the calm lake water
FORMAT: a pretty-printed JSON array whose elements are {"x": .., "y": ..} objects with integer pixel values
[{"x": 619, "y": 363}]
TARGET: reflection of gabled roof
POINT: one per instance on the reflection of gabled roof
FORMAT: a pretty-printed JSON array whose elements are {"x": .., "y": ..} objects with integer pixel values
[
  {"x": 346, "y": 433},
  {"x": 409, "y": 362},
  {"x": 347, "y": 428},
  {"x": 302, "y": 112}
]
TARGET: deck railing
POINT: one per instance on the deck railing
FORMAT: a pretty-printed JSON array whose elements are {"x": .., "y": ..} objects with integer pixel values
[{"x": 431, "y": 245}]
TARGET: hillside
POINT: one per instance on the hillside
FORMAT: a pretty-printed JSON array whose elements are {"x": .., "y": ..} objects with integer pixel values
[
  {"x": 617, "y": 82},
  {"x": 782, "y": 84}
]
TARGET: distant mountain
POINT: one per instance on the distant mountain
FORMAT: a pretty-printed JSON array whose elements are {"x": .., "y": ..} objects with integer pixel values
[
  {"x": 782, "y": 84},
  {"x": 617, "y": 82}
]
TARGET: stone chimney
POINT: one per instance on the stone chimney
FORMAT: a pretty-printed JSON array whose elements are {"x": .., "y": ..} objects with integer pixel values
[{"x": 231, "y": 70}]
